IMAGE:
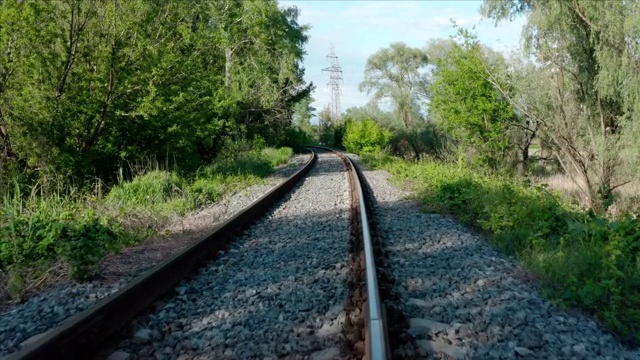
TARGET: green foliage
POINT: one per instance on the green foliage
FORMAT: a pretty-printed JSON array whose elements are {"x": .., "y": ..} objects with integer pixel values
[
  {"x": 151, "y": 189},
  {"x": 82, "y": 244},
  {"x": 396, "y": 73},
  {"x": 583, "y": 87},
  {"x": 302, "y": 113},
  {"x": 399, "y": 74},
  {"x": 583, "y": 260},
  {"x": 39, "y": 229},
  {"x": 86, "y": 86},
  {"x": 298, "y": 139},
  {"x": 365, "y": 136},
  {"x": 277, "y": 157},
  {"x": 242, "y": 163},
  {"x": 468, "y": 106}
]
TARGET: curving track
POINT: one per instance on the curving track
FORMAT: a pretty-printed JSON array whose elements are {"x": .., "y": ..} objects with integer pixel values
[
  {"x": 450, "y": 295},
  {"x": 300, "y": 283}
]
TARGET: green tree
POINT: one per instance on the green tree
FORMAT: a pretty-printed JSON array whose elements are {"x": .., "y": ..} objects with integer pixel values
[
  {"x": 588, "y": 101},
  {"x": 398, "y": 74},
  {"x": 302, "y": 114},
  {"x": 468, "y": 106},
  {"x": 422, "y": 138},
  {"x": 394, "y": 73},
  {"x": 87, "y": 85},
  {"x": 331, "y": 131}
]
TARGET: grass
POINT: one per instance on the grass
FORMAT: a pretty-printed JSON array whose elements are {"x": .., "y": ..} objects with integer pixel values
[
  {"x": 626, "y": 197},
  {"x": 38, "y": 230},
  {"x": 582, "y": 260}
]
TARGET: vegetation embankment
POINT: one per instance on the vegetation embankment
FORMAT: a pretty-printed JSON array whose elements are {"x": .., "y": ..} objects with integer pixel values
[
  {"x": 89, "y": 90},
  {"x": 583, "y": 260},
  {"x": 486, "y": 137},
  {"x": 41, "y": 229}
]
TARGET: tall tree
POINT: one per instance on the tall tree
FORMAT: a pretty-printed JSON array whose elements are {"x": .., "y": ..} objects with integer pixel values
[
  {"x": 302, "y": 114},
  {"x": 396, "y": 73},
  {"x": 467, "y": 105},
  {"x": 86, "y": 84},
  {"x": 587, "y": 53}
]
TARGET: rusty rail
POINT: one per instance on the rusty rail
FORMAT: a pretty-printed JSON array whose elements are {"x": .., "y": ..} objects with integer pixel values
[
  {"x": 376, "y": 337},
  {"x": 81, "y": 334}
]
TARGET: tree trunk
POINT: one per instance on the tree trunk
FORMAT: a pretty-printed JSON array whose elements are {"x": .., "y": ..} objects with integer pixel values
[
  {"x": 228, "y": 54},
  {"x": 6, "y": 144},
  {"x": 523, "y": 165}
]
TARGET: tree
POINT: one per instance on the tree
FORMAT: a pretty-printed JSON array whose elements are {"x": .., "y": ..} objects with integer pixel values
[
  {"x": 397, "y": 74},
  {"x": 468, "y": 106},
  {"x": 587, "y": 54},
  {"x": 302, "y": 113},
  {"x": 394, "y": 73},
  {"x": 87, "y": 85}
]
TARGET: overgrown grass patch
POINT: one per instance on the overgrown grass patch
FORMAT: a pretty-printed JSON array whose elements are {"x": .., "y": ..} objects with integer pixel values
[
  {"x": 38, "y": 229},
  {"x": 583, "y": 260},
  {"x": 158, "y": 191}
]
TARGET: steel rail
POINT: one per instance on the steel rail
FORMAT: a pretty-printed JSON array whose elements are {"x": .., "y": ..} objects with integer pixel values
[
  {"x": 376, "y": 337},
  {"x": 80, "y": 335}
]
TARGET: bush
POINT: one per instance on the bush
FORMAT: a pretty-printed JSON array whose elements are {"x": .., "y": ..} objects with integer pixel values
[
  {"x": 332, "y": 135},
  {"x": 297, "y": 139},
  {"x": 365, "y": 136},
  {"x": 82, "y": 244},
  {"x": 39, "y": 229},
  {"x": 583, "y": 260},
  {"x": 207, "y": 190},
  {"x": 277, "y": 157}
]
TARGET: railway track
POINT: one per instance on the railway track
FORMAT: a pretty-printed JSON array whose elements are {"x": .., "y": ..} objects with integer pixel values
[
  {"x": 280, "y": 287},
  {"x": 300, "y": 283}
]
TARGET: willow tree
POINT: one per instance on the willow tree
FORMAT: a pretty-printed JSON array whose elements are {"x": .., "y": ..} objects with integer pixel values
[
  {"x": 397, "y": 74},
  {"x": 263, "y": 48},
  {"x": 587, "y": 56}
]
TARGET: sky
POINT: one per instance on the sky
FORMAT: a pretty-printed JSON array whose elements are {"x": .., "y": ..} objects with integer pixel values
[{"x": 357, "y": 29}]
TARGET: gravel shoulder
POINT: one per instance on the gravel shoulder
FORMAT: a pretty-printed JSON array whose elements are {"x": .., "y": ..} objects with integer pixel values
[
  {"x": 278, "y": 291},
  {"x": 55, "y": 303},
  {"x": 462, "y": 299}
]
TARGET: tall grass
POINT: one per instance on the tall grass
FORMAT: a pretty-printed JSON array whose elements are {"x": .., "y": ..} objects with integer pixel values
[
  {"x": 583, "y": 260},
  {"x": 626, "y": 197},
  {"x": 40, "y": 228}
]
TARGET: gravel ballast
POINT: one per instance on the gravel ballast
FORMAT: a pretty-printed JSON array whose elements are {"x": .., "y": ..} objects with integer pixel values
[
  {"x": 278, "y": 291},
  {"x": 462, "y": 299},
  {"x": 54, "y": 304}
]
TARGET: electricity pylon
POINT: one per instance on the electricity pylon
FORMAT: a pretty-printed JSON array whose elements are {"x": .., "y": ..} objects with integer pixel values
[{"x": 335, "y": 78}]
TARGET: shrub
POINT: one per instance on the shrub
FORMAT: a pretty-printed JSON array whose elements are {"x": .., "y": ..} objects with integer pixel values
[
  {"x": 277, "y": 157},
  {"x": 82, "y": 244},
  {"x": 39, "y": 230},
  {"x": 207, "y": 190},
  {"x": 297, "y": 139},
  {"x": 365, "y": 136}
]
